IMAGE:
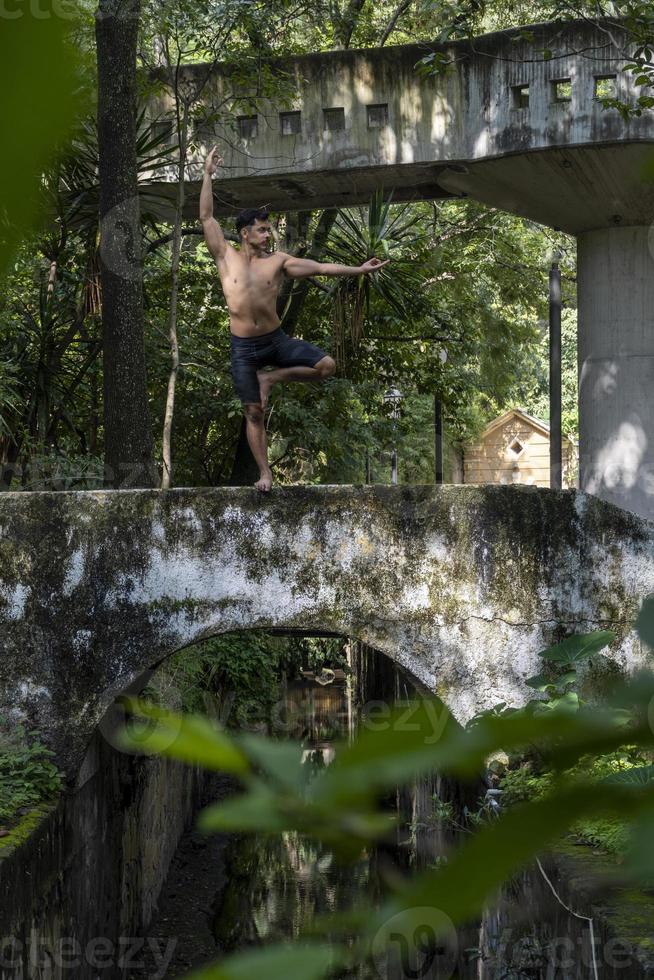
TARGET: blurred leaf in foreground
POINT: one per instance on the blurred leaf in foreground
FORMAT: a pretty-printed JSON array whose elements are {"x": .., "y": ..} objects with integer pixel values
[
  {"x": 309, "y": 962},
  {"x": 340, "y": 806},
  {"x": 645, "y": 621},
  {"x": 39, "y": 85}
]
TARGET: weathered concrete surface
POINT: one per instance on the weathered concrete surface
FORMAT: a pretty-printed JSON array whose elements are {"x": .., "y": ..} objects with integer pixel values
[
  {"x": 616, "y": 366},
  {"x": 462, "y": 585},
  {"x": 569, "y": 164}
]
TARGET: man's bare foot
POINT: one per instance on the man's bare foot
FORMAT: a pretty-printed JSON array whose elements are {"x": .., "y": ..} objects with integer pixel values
[
  {"x": 264, "y": 483},
  {"x": 265, "y": 384}
]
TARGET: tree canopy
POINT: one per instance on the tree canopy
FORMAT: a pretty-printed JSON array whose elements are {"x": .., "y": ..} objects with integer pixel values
[{"x": 468, "y": 282}]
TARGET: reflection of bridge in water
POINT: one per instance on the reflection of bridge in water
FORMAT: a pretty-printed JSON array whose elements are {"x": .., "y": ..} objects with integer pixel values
[{"x": 505, "y": 127}]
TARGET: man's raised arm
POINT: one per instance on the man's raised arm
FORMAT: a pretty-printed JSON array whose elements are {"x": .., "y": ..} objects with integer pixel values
[
  {"x": 296, "y": 268},
  {"x": 212, "y": 231}
]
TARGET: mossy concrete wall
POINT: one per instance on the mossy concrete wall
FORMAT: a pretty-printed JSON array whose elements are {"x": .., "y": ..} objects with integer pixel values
[
  {"x": 461, "y": 585},
  {"x": 78, "y": 887}
]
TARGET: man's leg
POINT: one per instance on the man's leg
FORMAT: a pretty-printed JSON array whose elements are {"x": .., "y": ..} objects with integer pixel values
[
  {"x": 256, "y": 434},
  {"x": 324, "y": 368}
]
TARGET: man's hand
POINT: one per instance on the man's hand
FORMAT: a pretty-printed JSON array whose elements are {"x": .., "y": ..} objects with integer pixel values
[
  {"x": 373, "y": 265},
  {"x": 212, "y": 162}
]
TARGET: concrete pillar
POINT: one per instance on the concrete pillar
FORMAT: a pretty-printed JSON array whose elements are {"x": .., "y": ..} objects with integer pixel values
[{"x": 616, "y": 366}]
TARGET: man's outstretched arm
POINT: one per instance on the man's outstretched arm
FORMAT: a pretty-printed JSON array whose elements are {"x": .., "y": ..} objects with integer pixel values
[
  {"x": 296, "y": 268},
  {"x": 213, "y": 233}
]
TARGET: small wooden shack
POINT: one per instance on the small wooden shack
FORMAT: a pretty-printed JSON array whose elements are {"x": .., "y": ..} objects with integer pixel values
[{"x": 515, "y": 448}]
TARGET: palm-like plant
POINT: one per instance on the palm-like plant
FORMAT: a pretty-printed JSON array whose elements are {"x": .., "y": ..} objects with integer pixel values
[
  {"x": 72, "y": 189},
  {"x": 388, "y": 232},
  {"x": 58, "y": 335}
]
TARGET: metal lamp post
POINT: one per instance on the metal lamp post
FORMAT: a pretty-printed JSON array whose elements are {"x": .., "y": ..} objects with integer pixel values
[
  {"x": 438, "y": 430},
  {"x": 393, "y": 397},
  {"x": 555, "y": 374}
]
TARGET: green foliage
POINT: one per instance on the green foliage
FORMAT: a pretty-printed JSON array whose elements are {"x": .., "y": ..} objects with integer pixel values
[
  {"x": 621, "y": 768},
  {"x": 645, "y": 621},
  {"x": 566, "y": 656},
  {"x": 27, "y": 774},
  {"x": 442, "y": 810},
  {"x": 302, "y": 962},
  {"x": 338, "y": 805},
  {"x": 385, "y": 232},
  {"x": 607, "y": 835},
  {"x": 523, "y": 784},
  {"x": 243, "y": 672},
  {"x": 40, "y": 97}
]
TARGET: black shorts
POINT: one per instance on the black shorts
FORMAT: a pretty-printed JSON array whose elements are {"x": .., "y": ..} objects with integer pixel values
[{"x": 250, "y": 354}]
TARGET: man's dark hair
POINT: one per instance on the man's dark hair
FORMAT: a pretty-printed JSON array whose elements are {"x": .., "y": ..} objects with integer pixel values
[{"x": 247, "y": 218}]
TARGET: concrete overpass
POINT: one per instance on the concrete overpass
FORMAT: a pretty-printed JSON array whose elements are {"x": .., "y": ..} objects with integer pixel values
[
  {"x": 462, "y": 585},
  {"x": 502, "y": 126}
]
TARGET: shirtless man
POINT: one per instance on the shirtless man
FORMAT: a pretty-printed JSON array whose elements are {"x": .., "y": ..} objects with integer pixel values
[{"x": 251, "y": 278}]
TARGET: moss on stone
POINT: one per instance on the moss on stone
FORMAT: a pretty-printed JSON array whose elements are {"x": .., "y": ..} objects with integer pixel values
[
  {"x": 23, "y": 830},
  {"x": 403, "y": 563},
  {"x": 627, "y": 912}
]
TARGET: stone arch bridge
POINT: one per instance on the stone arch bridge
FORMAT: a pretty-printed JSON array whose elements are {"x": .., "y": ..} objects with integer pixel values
[{"x": 461, "y": 585}]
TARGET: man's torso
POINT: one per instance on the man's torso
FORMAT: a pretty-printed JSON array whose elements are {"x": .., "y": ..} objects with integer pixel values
[{"x": 251, "y": 288}]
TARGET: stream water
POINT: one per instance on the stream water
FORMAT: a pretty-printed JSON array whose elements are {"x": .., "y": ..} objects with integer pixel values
[{"x": 228, "y": 894}]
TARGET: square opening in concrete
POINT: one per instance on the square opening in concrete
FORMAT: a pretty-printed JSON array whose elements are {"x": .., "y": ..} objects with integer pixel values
[
  {"x": 247, "y": 127},
  {"x": 290, "y": 123},
  {"x": 561, "y": 89},
  {"x": 519, "y": 96},
  {"x": 334, "y": 119},
  {"x": 162, "y": 129},
  {"x": 377, "y": 115},
  {"x": 605, "y": 87},
  {"x": 203, "y": 131}
]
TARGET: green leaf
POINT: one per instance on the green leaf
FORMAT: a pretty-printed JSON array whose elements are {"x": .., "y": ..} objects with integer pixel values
[
  {"x": 257, "y": 810},
  {"x": 540, "y": 682},
  {"x": 389, "y": 749},
  {"x": 568, "y": 701},
  {"x": 547, "y": 54},
  {"x": 639, "y": 777},
  {"x": 190, "y": 738},
  {"x": 40, "y": 98},
  {"x": 639, "y": 859},
  {"x": 495, "y": 852},
  {"x": 299, "y": 962},
  {"x": 579, "y": 647},
  {"x": 645, "y": 620},
  {"x": 411, "y": 742},
  {"x": 281, "y": 760}
]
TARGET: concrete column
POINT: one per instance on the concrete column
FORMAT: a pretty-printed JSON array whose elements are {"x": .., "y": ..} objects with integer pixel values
[{"x": 616, "y": 366}]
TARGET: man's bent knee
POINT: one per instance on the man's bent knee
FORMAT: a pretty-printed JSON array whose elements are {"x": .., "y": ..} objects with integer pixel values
[
  {"x": 253, "y": 413},
  {"x": 326, "y": 367}
]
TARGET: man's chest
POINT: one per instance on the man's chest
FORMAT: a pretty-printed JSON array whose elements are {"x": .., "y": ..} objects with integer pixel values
[{"x": 259, "y": 276}]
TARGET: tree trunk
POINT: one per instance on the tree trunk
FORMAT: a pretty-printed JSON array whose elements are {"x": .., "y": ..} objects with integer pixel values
[
  {"x": 345, "y": 23},
  {"x": 129, "y": 453},
  {"x": 174, "y": 291}
]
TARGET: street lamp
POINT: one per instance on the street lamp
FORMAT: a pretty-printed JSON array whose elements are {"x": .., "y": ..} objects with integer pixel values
[
  {"x": 438, "y": 429},
  {"x": 555, "y": 373},
  {"x": 393, "y": 397}
]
